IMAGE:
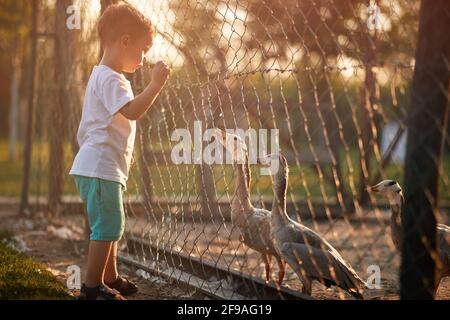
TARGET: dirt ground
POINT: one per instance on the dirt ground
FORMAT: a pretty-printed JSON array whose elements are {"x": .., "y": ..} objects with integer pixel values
[
  {"x": 366, "y": 244},
  {"x": 45, "y": 245},
  {"x": 362, "y": 244}
]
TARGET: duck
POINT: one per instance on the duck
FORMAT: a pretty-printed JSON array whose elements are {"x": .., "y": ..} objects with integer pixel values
[
  {"x": 310, "y": 255},
  {"x": 252, "y": 223},
  {"x": 392, "y": 190}
]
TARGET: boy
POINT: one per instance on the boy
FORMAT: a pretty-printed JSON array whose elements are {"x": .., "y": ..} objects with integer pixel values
[{"x": 106, "y": 137}]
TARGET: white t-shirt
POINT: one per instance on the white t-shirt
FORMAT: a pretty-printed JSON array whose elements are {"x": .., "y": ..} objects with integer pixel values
[{"x": 105, "y": 136}]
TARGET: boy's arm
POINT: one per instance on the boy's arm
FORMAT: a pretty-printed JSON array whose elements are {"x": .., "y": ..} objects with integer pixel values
[{"x": 137, "y": 107}]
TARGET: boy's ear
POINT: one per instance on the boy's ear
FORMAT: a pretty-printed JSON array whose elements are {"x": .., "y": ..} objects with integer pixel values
[{"x": 125, "y": 40}]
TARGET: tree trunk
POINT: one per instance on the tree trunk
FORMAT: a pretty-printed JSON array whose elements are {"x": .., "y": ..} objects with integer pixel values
[
  {"x": 426, "y": 124},
  {"x": 24, "y": 205},
  {"x": 368, "y": 124},
  {"x": 14, "y": 107},
  {"x": 65, "y": 74}
]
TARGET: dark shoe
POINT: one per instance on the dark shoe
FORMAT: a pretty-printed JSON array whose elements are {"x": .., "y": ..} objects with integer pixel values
[
  {"x": 124, "y": 286},
  {"x": 102, "y": 292}
]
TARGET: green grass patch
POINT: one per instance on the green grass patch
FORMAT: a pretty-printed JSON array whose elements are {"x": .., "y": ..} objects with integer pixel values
[{"x": 23, "y": 278}]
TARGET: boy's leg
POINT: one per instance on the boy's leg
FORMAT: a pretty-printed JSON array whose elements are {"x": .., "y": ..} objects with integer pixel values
[
  {"x": 113, "y": 279},
  {"x": 111, "y": 273},
  {"x": 97, "y": 259},
  {"x": 105, "y": 215}
]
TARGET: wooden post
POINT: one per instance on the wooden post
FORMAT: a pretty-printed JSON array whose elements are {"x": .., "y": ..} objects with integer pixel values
[{"x": 426, "y": 124}]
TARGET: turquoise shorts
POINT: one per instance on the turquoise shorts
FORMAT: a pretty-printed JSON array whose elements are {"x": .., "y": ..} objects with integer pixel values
[{"x": 103, "y": 200}]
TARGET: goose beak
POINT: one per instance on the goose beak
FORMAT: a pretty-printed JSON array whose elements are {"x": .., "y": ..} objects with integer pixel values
[{"x": 374, "y": 189}]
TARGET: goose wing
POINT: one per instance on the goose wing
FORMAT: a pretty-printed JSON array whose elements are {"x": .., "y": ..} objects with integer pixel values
[{"x": 322, "y": 265}]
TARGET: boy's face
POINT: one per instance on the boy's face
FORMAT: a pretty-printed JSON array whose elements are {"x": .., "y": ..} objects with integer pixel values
[{"x": 133, "y": 52}]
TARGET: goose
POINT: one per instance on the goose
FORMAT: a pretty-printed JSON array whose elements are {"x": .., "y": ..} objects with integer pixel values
[
  {"x": 305, "y": 251},
  {"x": 393, "y": 192},
  {"x": 253, "y": 223}
]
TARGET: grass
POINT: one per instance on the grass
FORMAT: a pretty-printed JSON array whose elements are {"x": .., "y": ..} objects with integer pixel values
[
  {"x": 181, "y": 180},
  {"x": 23, "y": 278}
]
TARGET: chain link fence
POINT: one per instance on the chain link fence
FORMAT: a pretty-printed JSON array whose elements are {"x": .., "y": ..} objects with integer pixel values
[{"x": 335, "y": 78}]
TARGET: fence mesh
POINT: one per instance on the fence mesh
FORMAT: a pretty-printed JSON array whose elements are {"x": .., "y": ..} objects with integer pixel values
[{"x": 334, "y": 77}]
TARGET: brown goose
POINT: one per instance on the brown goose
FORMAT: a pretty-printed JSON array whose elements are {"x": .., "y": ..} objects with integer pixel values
[
  {"x": 308, "y": 254},
  {"x": 393, "y": 192},
  {"x": 253, "y": 223}
]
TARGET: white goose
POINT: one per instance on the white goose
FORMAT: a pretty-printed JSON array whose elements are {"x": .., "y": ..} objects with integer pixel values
[
  {"x": 393, "y": 192},
  {"x": 308, "y": 254}
]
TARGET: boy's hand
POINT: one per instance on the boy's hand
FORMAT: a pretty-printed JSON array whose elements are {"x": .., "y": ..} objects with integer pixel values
[
  {"x": 160, "y": 74},
  {"x": 135, "y": 109}
]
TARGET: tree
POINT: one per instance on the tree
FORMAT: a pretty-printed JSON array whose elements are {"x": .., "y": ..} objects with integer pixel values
[
  {"x": 314, "y": 37},
  {"x": 428, "y": 116},
  {"x": 13, "y": 31}
]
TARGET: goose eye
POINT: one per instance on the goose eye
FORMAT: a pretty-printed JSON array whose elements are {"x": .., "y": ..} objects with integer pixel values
[{"x": 391, "y": 183}]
